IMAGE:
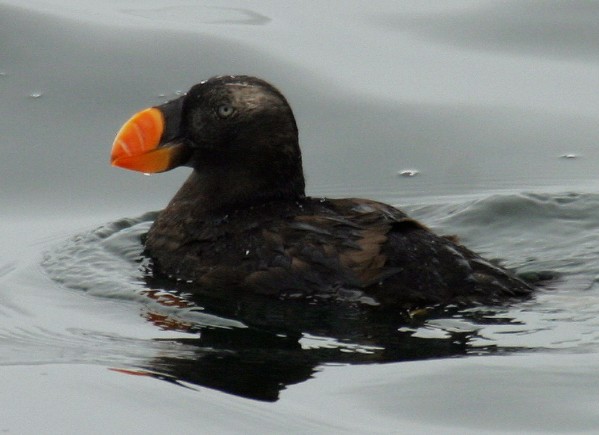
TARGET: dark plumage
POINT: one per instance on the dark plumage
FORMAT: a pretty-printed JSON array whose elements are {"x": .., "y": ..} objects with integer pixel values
[{"x": 242, "y": 221}]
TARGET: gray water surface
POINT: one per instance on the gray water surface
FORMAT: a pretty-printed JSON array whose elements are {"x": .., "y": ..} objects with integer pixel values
[{"x": 491, "y": 105}]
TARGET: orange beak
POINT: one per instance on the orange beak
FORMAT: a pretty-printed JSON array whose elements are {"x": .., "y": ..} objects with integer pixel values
[{"x": 139, "y": 145}]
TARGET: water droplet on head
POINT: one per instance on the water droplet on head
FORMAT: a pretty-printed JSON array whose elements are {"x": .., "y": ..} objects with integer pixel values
[
  {"x": 35, "y": 95},
  {"x": 568, "y": 156},
  {"x": 147, "y": 174},
  {"x": 408, "y": 172}
]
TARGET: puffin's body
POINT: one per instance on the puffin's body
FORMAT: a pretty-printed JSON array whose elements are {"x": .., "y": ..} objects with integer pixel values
[{"x": 241, "y": 221}]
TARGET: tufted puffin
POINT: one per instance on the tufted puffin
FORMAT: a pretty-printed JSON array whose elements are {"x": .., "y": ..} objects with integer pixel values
[{"x": 241, "y": 221}]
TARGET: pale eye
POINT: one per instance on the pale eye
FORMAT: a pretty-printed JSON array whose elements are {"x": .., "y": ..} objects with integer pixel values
[{"x": 225, "y": 110}]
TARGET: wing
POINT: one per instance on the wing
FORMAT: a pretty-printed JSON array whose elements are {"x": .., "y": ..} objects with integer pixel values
[{"x": 332, "y": 246}]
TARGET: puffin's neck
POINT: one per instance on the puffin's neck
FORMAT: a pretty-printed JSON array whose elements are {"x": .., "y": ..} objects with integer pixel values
[{"x": 219, "y": 191}]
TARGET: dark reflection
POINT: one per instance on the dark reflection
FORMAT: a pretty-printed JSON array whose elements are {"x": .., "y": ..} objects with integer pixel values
[{"x": 286, "y": 341}]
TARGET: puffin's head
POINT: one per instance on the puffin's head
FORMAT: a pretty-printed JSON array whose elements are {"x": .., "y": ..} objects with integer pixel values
[{"x": 237, "y": 126}]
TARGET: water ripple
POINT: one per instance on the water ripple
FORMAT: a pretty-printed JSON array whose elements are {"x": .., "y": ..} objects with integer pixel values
[{"x": 538, "y": 235}]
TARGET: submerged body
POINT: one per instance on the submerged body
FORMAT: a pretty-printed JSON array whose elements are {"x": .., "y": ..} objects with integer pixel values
[
  {"x": 241, "y": 221},
  {"x": 325, "y": 249}
]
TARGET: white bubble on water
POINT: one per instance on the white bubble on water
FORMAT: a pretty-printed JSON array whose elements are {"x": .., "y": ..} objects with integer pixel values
[{"x": 408, "y": 172}]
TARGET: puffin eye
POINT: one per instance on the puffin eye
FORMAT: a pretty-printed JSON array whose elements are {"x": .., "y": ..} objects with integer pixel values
[{"x": 225, "y": 110}]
